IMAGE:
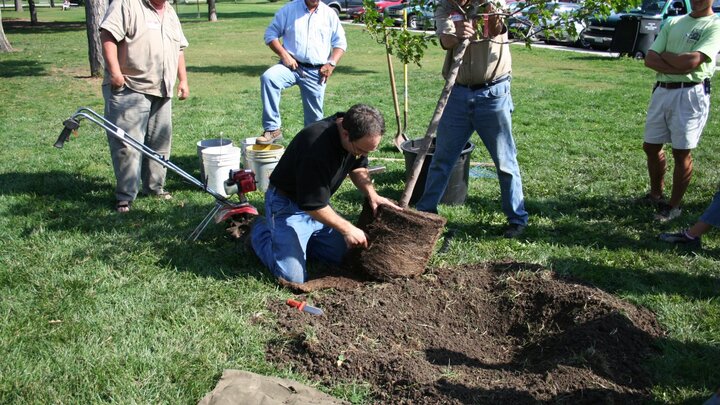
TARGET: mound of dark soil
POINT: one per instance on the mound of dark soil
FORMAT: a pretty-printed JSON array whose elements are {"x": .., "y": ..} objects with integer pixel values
[{"x": 503, "y": 333}]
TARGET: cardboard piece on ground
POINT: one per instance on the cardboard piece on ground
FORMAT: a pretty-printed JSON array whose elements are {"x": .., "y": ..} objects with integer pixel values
[{"x": 243, "y": 387}]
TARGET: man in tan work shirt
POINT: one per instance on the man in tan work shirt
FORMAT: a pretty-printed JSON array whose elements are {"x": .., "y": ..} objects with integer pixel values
[
  {"x": 143, "y": 47},
  {"x": 480, "y": 101}
]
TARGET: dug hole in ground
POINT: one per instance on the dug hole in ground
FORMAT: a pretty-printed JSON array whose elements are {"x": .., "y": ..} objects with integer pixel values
[{"x": 487, "y": 333}]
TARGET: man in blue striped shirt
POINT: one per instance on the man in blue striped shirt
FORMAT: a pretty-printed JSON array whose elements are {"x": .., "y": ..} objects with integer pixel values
[{"x": 313, "y": 41}]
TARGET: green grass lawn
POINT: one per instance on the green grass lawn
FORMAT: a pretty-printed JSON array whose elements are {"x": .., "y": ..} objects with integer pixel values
[{"x": 97, "y": 307}]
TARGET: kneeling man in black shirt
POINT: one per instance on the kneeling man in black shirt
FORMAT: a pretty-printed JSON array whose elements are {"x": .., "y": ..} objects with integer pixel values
[{"x": 299, "y": 222}]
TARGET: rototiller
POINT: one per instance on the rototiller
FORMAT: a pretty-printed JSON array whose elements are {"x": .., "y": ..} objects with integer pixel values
[{"x": 239, "y": 182}]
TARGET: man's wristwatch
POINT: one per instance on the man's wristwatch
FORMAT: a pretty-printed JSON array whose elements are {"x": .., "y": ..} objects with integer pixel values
[{"x": 331, "y": 63}]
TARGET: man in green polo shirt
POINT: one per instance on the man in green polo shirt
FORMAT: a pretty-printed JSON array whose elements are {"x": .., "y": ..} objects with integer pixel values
[
  {"x": 683, "y": 56},
  {"x": 143, "y": 48}
]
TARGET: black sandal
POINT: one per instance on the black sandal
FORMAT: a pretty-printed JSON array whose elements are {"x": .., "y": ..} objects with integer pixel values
[{"x": 123, "y": 206}]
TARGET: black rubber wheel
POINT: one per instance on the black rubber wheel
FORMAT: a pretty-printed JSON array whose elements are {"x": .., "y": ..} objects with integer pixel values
[
  {"x": 582, "y": 42},
  {"x": 412, "y": 22}
]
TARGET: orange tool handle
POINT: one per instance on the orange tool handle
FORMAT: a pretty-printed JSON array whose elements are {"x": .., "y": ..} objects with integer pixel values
[{"x": 297, "y": 304}]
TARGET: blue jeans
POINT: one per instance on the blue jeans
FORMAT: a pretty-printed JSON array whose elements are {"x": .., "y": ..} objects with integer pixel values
[
  {"x": 287, "y": 236},
  {"x": 712, "y": 213},
  {"x": 486, "y": 111},
  {"x": 278, "y": 78}
]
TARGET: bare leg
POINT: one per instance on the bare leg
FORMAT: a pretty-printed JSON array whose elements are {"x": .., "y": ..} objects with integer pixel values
[
  {"x": 681, "y": 175},
  {"x": 657, "y": 165},
  {"x": 698, "y": 230}
]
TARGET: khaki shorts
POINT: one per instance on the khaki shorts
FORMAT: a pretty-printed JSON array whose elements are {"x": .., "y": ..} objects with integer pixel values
[{"x": 677, "y": 116}]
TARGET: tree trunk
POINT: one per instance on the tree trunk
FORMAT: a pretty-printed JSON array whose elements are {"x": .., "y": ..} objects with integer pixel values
[
  {"x": 52, "y": 3},
  {"x": 33, "y": 12},
  {"x": 434, "y": 121},
  {"x": 4, "y": 43},
  {"x": 212, "y": 12},
  {"x": 94, "y": 12},
  {"x": 18, "y": 6}
]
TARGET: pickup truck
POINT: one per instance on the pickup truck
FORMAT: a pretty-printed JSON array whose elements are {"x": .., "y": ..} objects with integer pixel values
[
  {"x": 633, "y": 32},
  {"x": 341, "y": 6}
]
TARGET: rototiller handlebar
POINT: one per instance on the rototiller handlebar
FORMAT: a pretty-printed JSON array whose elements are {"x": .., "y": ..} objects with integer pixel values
[{"x": 239, "y": 181}]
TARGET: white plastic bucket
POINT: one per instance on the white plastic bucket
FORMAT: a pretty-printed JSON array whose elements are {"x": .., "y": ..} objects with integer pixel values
[
  {"x": 262, "y": 159},
  {"x": 243, "y": 150},
  {"x": 217, "y": 162},
  {"x": 209, "y": 143}
]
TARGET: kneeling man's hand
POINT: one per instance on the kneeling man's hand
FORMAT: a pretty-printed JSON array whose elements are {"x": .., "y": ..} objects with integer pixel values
[
  {"x": 356, "y": 238},
  {"x": 377, "y": 201}
]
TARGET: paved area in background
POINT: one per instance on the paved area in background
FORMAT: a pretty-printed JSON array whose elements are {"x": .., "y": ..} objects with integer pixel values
[{"x": 538, "y": 45}]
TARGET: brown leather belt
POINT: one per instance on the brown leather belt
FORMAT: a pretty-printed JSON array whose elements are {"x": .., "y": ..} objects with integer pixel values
[{"x": 676, "y": 85}]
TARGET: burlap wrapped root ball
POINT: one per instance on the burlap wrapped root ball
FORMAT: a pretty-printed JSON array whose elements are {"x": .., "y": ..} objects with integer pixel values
[{"x": 401, "y": 242}]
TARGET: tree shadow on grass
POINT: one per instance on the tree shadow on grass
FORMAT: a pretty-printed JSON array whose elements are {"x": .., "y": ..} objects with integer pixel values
[
  {"x": 246, "y": 70},
  {"x": 595, "y": 221},
  {"x": 41, "y": 27},
  {"x": 256, "y": 71},
  {"x": 192, "y": 18},
  {"x": 638, "y": 281},
  {"x": 591, "y": 57},
  {"x": 57, "y": 202},
  {"x": 17, "y": 68}
]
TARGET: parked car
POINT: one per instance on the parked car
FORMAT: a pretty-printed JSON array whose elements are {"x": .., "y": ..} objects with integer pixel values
[
  {"x": 414, "y": 13},
  {"x": 549, "y": 27},
  {"x": 341, "y": 6},
  {"x": 426, "y": 18},
  {"x": 519, "y": 22},
  {"x": 557, "y": 29},
  {"x": 357, "y": 13}
]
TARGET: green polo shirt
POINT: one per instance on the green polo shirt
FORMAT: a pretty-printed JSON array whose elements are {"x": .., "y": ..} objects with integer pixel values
[{"x": 688, "y": 34}]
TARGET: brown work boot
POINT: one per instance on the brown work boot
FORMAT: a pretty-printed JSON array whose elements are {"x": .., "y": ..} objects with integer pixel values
[{"x": 269, "y": 137}]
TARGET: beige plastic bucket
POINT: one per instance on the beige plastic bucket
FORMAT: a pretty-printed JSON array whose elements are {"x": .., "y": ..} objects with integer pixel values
[
  {"x": 262, "y": 159},
  {"x": 217, "y": 162}
]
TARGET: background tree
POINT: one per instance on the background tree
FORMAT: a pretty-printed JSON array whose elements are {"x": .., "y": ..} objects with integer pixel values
[
  {"x": 33, "y": 12},
  {"x": 212, "y": 12},
  {"x": 18, "y": 6},
  {"x": 4, "y": 43},
  {"x": 94, "y": 12}
]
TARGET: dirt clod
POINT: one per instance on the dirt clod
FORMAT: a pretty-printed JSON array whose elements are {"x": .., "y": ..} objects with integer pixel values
[{"x": 500, "y": 333}]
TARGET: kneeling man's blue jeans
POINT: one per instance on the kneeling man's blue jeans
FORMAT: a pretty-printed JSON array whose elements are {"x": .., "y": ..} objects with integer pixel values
[{"x": 288, "y": 236}]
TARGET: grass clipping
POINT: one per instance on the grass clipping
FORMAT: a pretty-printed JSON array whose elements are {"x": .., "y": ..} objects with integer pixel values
[{"x": 400, "y": 242}]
